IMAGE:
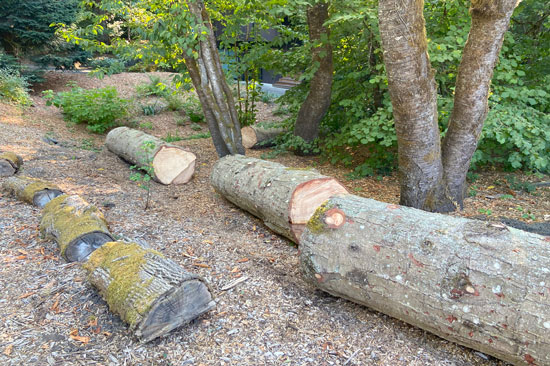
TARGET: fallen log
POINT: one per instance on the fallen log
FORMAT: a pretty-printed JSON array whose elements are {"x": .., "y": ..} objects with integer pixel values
[
  {"x": 167, "y": 164},
  {"x": 10, "y": 163},
  {"x": 261, "y": 135},
  {"x": 148, "y": 291},
  {"x": 78, "y": 227},
  {"x": 284, "y": 198},
  {"x": 480, "y": 284},
  {"x": 31, "y": 190}
]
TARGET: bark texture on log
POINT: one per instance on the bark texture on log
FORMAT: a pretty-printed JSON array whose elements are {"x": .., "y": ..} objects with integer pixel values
[
  {"x": 31, "y": 190},
  {"x": 170, "y": 164},
  {"x": 78, "y": 227},
  {"x": 260, "y": 135},
  {"x": 10, "y": 163},
  {"x": 284, "y": 198},
  {"x": 148, "y": 291},
  {"x": 480, "y": 284}
]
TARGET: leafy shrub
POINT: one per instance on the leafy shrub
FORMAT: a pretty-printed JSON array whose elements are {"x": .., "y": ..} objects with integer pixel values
[
  {"x": 155, "y": 86},
  {"x": 106, "y": 66},
  {"x": 14, "y": 88},
  {"x": 193, "y": 110},
  {"x": 98, "y": 108}
]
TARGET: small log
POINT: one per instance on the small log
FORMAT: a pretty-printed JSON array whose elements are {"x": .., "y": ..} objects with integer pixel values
[
  {"x": 170, "y": 164},
  {"x": 148, "y": 291},
  {"x": 10, "y": 163},
  {"x": 31, "y": 190},
  {"x": 261, "y": 135},
  {"x": 284, "y": 198},
  {"x": 480, "y": 284},
  {"x": 78, "y": 227}
]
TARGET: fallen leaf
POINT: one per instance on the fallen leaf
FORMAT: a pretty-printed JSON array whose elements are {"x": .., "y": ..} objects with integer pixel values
[
  {"x": 8, "y": 349},
  {"x": 21, "y": 251},
  {"x": 243, "y": 260},
  {"x": 208, "y": 242},
  {"x": 201, "y": 265},
  {"x": 54, "y": 307},
  {"x": 74, "y": 335},
  {"x": 491, "y": 187},
  {"x": 26, "y": 295}
]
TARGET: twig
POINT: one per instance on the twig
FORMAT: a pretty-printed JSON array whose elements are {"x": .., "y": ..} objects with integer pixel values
[
  {"x": 234, "y": 283},
  {"x": 352, "y": 356}
]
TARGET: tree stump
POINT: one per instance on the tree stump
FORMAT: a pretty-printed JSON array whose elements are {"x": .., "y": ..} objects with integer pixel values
[
  {"x": 284, "y": 198},
  {"x": 167, "y": 164},
  {"x": 31, "y": 190},
  {"x": 261, "y": 135},
  {"x": 78, "y": 227},
  {"x": 148, "y": 291},
  {"x": 10, "y": 163},
  {"x": 480, "y": 284}
]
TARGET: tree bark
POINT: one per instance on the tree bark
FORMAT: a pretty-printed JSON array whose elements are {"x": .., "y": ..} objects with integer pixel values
[
  {"x": 318, "y": 99},
  {"x": 169, "y": 164},
  {"x": 10, "y": 163},
  {"x": 480, "y": 284},
  {"x": 78, "y": 227},
  {"x": 490, "y": 21},
  {"x": 148, "y": 291},
  {"x": 284, "y": 198},
  {"x": 261, "y": 135},
  {"x": 31, "y": 190},
  {"x": 414, "y": 99}
]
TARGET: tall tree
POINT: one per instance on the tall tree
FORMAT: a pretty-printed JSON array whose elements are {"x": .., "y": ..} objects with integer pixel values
[{"x": 429, "y": 178}]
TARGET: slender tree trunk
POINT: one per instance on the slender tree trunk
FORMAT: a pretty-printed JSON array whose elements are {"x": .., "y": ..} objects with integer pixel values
[
  {"x": 413, "y": 93},
  {"x": 214, "y": 94},
  {"x": 317, "y": 102},
  {"x": 490, "y": 20}
]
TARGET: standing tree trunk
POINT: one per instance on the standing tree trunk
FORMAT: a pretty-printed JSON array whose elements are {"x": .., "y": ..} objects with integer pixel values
[
  {"x": 490, "y": 20},
  {"x": 209, "y": 81},
  {"x": 317, "y": 102}
]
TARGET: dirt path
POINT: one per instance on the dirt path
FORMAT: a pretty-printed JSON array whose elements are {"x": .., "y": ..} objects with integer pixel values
[{"x": 49, "y": 315}]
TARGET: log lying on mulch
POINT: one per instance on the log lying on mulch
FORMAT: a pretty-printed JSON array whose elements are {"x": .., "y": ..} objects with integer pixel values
[
  {"x": 170, "y": 164},
  {"x": 284, "y": 198},
  {"x": 31, "y": 190},
  {"x": 78, "y": 227},
  {"x": 148, "y": 291},
  {"x": 260, "y": 135},
  {"x": 10, "y": 163},
  {"x": 480, "y": 284}
]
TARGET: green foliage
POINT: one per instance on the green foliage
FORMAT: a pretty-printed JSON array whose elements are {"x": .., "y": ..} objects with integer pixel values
[
  {"x": 198, "y": 136},
  {"x": 193, "y": 110},
  {"x": 172, "y": 138},
  {"x": 14, "y": 88},
  {"x": 99, "y": 109},
  {"x": 106, "y": 66}
]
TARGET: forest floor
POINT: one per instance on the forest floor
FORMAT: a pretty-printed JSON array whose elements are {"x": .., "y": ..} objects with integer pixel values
[{"x": 50, "y": 315}]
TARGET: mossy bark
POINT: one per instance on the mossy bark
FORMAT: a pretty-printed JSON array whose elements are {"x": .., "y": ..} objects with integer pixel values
[
  {"x": 78, "y": 227},
  {"x": 480, "y": 284},
  {"x": 10, "y": 163},
  {"x": 31, "y": 190},
  {"x": 148, "y": 291}
]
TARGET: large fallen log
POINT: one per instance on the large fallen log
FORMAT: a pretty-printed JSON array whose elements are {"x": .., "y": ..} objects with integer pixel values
[
  {"x": 31, "y": 190},
  {"x": 10, "y": 163},
  {"x": 284, "y": 198},
  {"x": 148, "y": 291},
  {"x": 480, "y": 284},
  {"x": 78, "y": 227},
  {"x": 261, "y": 135},
  {"x": 168, "y": 164}
]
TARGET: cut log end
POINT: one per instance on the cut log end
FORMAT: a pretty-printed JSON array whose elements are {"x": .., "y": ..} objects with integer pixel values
[
  {"x": 80, "y": 248},
  {"x": 173, "y": 165},
  {"x": 41, "y": 198},
  {"x": 249, "y": 137}
]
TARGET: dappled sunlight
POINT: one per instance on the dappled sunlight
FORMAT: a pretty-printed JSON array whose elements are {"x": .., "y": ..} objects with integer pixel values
[
  {"x": 25, "y": 148},
  {"x": 10, "y": 114}
]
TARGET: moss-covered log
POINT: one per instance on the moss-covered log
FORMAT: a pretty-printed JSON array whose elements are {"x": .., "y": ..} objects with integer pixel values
[
  {"x": 10, "y": 163},
  {"x": 480, "y": 284},
  {"x": 284, "y": 198},
  {"x": 148, "y": 291},
  {"x": 261, "y": 135},
  {"x": 78, "y": 227},
  {"x": 168, "y": 164},
  {"x": 31, "y": 190}
]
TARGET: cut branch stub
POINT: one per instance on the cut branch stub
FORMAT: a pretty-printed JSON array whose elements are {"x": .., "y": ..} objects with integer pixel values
[
  {"x": 483, "y": 285},
  {"x": 168, "y": 164},
  {"x": 261, "y": 135},
  {"x": 10, "y": 163},
  {"x": 78, "y": 227},
  {"x": 31, "y": 190},
  {"x": 148, "y": 291},
  {"x": 284, "y": 198}
]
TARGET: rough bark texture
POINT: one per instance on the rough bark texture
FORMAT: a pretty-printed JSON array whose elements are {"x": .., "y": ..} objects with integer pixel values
[
  {"x": 260, "y": 135},
  {"x": 78, "y": 227},
  {"x": 10, "y": 163},
  {"x": 318, "y": 99},
  {"x": 414, "y": 98},
  {"x": 31, "y": 190},
  {"x": 490, "y": 21},
  {"x": 170, "y": 164},
  {"x": 483, "y": 285},
  {"x": 148, "y": 291},
  {"x": 284, "y": 198},
  {"x": 216, "y": 97}
]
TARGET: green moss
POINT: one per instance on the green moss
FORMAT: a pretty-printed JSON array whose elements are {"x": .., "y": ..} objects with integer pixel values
[
  {"x": 316, "y": 224},
  {"x": 12, "y": 157},
  {"x": 30, "y": 190}
]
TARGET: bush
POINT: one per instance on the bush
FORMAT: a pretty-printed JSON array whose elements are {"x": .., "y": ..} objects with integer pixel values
[
  {"x": 98, "y": 108},
  {"x": 14, "y": 88}
]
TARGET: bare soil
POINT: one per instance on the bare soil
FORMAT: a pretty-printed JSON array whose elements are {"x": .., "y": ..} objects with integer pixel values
[{"x": 50, "y": 315}]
